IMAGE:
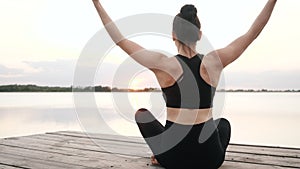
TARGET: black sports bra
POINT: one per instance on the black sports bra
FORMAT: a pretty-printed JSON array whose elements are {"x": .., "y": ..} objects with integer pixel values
[{"x": 190, "y": 90}]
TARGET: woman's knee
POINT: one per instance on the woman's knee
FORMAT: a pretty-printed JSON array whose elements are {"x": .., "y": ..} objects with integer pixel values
[
  {"x": 223, "y": 122},
  {"x": 141, "y": 114}
]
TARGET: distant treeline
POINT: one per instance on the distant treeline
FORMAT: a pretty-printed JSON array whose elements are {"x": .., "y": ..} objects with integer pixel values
[
  {"x": 260, "y": 90},
  {"x": 35, "y": 88}
]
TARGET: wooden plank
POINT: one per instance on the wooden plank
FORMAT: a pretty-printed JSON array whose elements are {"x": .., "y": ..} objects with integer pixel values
[
  {"x": 110, "y": 145},
  {"x": 69, "y": 140},
  {"x": 82, "y": 162},
  {"x": 96, "y": 136},
  {"x": 226, "y": 165},
  {"x": 144, "y": 163},
  {"x": 78, "y": 150},
  {"x": 249, "y": 158},
  {"x": 250, "y": 149},
  {"x": 250, "y": 155},
  {"x": 25, "y": 162},
  {"x": 5, "y": 166},
  {"x": 279, "y": 160},
  {"x": 263, "y": 159},
  {"x": 78, "y": 147},
  {"x": 92, "y": 141},
  {"x": 256, "y": 149},
  {"x": 271, "y": 151},
  {"x": 68, "y": 151},
  {"x": 46, "y": 155},
  {"x": 238, "y": 157},
  {"x": 239, "y": 165},
  {"x": 116, "y": 159}
]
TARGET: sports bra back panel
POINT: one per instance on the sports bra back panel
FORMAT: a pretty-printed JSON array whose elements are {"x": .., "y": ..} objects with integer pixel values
[{"x": 190, "y": 90}]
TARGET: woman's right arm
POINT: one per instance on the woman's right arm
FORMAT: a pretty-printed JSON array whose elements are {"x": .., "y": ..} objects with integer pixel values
[
  {"x": 150, "y": 59},
  {"x": 234, "y": 50}
]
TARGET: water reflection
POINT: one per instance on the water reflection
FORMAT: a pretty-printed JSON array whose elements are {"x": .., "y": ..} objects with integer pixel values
[
  {"x": 256, "y": 118},
  {"x": 25, "y": 121}
]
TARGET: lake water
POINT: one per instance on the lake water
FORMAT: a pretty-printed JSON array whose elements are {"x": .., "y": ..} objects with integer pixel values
[{"x": 256, "y": 118}]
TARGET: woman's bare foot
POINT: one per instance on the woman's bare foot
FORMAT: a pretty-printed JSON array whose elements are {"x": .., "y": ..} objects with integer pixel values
[{"x": 154, "y": 161}]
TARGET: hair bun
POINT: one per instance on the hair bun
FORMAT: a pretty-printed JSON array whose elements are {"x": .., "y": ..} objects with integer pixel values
[
  {"x": 188, "y": 12},
  {"x": 186, "y": 25}
]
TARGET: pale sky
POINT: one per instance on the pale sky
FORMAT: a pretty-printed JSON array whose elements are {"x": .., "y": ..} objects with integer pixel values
[{"x": 41, "y": 40}]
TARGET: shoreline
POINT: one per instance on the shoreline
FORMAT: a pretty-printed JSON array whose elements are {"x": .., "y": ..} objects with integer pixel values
[{"x": 44, "y": 89}]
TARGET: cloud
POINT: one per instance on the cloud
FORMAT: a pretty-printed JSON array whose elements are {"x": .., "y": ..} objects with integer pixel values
[
  {"x": 53, "y": 73},
  {"x": 9, "y": 72}
]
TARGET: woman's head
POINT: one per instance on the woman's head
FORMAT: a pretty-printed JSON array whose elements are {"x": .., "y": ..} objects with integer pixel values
[{"x": 186, "y": 25}]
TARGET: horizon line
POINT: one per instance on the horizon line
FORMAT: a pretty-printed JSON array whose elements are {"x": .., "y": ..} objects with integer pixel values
[{"x": 153, "y": 88}]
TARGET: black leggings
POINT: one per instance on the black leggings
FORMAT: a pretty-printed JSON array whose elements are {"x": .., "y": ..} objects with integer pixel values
[{"x": 178, "y": 146}]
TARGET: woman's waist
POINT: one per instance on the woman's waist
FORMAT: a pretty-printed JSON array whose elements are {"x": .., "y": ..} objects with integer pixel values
[{"x": 188, "y": 116}]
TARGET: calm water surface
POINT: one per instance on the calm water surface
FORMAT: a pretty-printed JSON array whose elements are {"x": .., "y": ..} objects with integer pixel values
[{"x": 256, "y": 118}]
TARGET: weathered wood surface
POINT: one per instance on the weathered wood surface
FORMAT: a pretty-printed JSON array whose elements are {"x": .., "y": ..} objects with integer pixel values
[{"x": 79, "y": 150}]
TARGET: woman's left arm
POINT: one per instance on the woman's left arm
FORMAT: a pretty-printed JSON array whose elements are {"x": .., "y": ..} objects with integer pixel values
[{"x": 150, "y": 59}]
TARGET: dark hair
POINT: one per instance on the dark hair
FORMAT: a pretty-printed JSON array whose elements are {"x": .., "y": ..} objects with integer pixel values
[{"x": 186, "y": 25}]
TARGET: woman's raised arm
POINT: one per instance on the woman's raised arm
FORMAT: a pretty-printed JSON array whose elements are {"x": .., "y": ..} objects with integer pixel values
[
  {"x": 147, "y": 58},
  {"x": 230, "y": 53}
]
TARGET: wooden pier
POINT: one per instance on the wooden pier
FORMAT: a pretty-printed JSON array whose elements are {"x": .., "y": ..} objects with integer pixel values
[{"x": 61, "y": 150}]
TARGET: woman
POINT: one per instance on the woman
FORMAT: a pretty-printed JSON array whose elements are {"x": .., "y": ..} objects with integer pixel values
[{"x": 188, "y": 81}]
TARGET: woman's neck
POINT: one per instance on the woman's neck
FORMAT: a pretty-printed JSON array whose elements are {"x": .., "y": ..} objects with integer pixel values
[{"x": 187, "y": 51}]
